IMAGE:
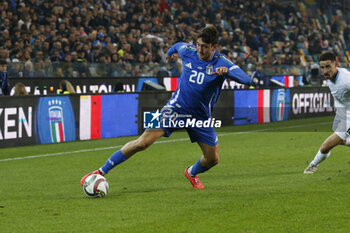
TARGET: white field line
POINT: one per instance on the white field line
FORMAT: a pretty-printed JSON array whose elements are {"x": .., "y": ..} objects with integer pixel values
[{"x": 158, "y": 142}]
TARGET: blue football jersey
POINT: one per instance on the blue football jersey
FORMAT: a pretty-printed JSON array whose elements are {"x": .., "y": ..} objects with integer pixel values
[{"x": 199, "y": 88}]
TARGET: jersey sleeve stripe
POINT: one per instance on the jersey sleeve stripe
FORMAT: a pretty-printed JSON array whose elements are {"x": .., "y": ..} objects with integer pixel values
[
  {"x": 189, "y": 47},
  {"x": 225, "y": 59}
]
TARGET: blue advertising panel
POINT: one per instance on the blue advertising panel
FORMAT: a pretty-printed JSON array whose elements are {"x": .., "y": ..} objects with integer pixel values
[
  {"x": 280, "y": 105},
  {"x": 54, "y": 121},
  {"x": 245, "y": 107},
  {"x": 119, "y": 115}
]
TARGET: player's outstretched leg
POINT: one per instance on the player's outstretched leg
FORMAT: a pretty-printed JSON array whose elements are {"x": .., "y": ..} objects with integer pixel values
[
  {"x": 115, "y": 159},
  {"x": 323, "y": 153},
  {"x": 129, "y": 149},
  {"x": 209, "y": 159},
  {"x": 313, "y": 166}
]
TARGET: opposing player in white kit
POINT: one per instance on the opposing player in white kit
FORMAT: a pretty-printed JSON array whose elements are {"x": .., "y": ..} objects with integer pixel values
[{"x": 338, "y": 80}]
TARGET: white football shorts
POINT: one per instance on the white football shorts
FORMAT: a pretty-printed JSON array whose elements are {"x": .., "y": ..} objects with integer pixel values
[{"x": 341, "y": 123}]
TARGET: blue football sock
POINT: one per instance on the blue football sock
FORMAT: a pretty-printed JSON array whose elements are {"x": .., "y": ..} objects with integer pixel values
[
  {"x": 115, "y": 159},
  {"x": 198, "y": 168}
]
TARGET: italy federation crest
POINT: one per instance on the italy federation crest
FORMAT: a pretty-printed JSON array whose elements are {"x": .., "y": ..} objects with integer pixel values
[
  {"x": 209, "y": 69},
  {"x": 56, "y": 121},
  {"x": 280, "y": 104}
]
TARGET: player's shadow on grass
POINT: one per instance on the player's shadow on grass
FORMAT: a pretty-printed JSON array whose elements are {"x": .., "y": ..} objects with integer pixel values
[
  {"x": 140, "y": 190},
  {"x": 270, "y": 173}
]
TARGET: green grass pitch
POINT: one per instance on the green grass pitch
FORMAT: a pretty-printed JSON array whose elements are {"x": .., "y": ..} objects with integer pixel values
[{"x": 257, "y": 187}]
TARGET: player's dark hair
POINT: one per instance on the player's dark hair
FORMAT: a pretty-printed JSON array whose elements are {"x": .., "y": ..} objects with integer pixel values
[
  {"x": 209, "y": 35},
  {"x": 328, "y": 56}
]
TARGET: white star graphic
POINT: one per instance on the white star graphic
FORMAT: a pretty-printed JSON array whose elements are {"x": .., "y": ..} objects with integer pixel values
[{"x": 156, "y": 115}]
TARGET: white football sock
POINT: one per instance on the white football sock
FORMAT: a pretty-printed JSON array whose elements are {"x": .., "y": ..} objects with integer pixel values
[
  {"x": 347, "y": 141},
  {"x": 320, "y": 157},
  {"x": 102, "y": 172},
  {"x": 189, "y": 170}
]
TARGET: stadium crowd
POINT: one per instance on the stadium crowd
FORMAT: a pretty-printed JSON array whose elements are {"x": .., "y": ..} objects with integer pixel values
[{"x": 64, "y": 38}]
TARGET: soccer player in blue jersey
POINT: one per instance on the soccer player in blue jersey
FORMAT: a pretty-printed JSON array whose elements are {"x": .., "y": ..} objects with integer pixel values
[{"x": 204, "y": 71}]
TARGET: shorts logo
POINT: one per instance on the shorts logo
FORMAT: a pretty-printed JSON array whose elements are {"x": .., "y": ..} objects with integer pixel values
[{"x": 151, "y": 119}]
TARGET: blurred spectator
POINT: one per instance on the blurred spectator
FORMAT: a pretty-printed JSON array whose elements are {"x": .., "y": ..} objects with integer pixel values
[
  {"x": 15, "y": 68},
  {"x": 314, "y": 78},
  {"x": 99, "y": 40},
  {"x": 59, "y": 72},
  {"x": 66, "y": 87},
  {"x": 127, "y": 71},
  {"x": 262, "y": 79},
  {"x": 39, "y": 69},
  {"x": 145, "y": 71},
  {"x": 37, "y": 30},
  {"x": 347, "y": 36},
  {"x": 315, "y": 47},
  {"x": 161, "y": 71},
  {"x": 4, "y": 81},
  {"x": 84, "y": 69},
  {"x": 20, "y": 89},
  {"x": 118, "y": 87},
  {"x": 28, "y": 70}
]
